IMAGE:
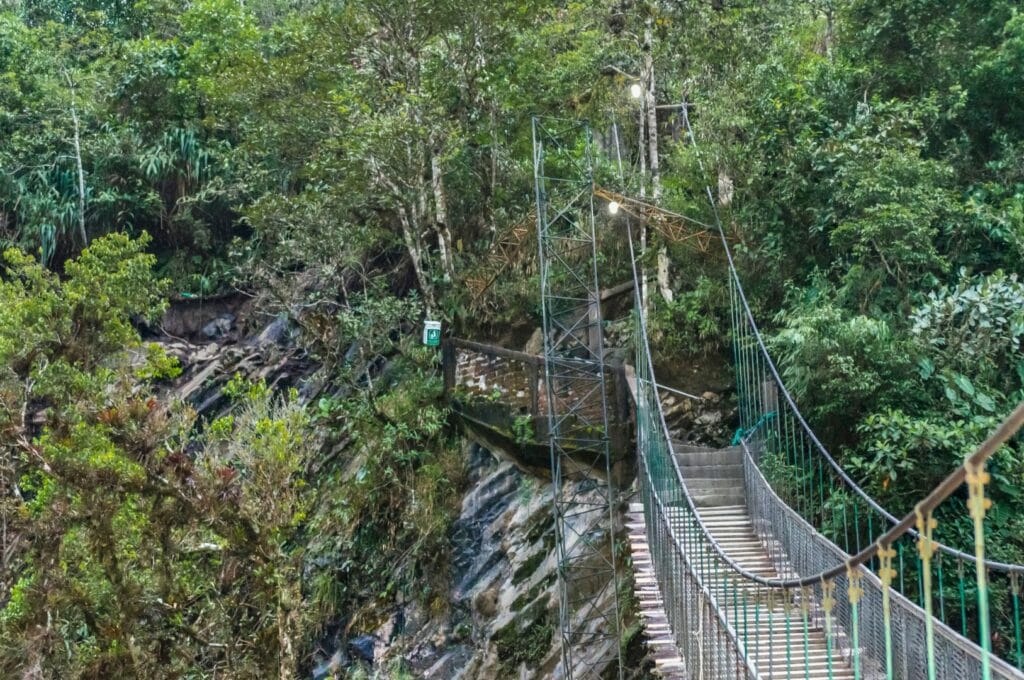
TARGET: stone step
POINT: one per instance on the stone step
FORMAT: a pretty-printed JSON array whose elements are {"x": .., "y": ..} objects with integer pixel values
[
  {"x": 712, "y": 500},
  {"x": 714, "y": 521},
  {"x": 723, "y": 534},
  {"x": 707, "y": 485},
  {"x": 778, "y": 672},
  {"x": 713, "y": 458},
  {"x": 738, "y": 510},
  {"x": 743, "y": 552},
  {"x": 712, "y": 471},
  {"x": 722, "y": 509},
  {"x": 680, "y": 446}
]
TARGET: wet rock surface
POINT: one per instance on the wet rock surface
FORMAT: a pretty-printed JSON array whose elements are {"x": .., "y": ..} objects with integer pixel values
[
  {"x": 213, "y": 349},
  {"x": 502, "y": 615}
]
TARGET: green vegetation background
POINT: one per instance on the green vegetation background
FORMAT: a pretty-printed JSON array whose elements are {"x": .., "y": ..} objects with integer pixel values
[{"x": 875, "y": 151}]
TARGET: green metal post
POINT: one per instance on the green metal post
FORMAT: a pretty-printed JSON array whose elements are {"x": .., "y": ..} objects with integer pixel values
[
  {"x": 746, "y": 597},
  {"x": 977, "y": 478},
  {"x": 886, "y": 574},
  {"x": 804, "y": 606},
  {"x": 789, "y": 640},
  {"x": 828, "y": 603},
  {"x": 920, "y": 582},
  {"x": 925, "y": 525},
  {"x": 821, "y": 490},
  {"x": 846, "y": 529},
  {"x": 963, "y": 596},
  {"x": 856, "y": 522},
  {"x": 855, "y": 593},
  {"x": 856, "y": 641},
  {"x": 1015, "y": 591},
  {"x": 903, "y": 588},
  {"x": 942, "y": 596}
]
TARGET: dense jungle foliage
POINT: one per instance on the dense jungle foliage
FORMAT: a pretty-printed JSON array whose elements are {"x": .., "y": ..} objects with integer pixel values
[{"x": 359, "y": 160}]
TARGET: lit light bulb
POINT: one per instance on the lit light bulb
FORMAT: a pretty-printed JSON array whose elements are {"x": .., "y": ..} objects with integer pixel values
[
  {"x": 636, "y": 90},
  {"x": 613, "y": 208}
]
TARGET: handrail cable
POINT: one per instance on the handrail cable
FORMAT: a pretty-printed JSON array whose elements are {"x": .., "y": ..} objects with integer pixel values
[
  {"x": 856, "y": 488},
  {"x": 1007, "y": 429}
]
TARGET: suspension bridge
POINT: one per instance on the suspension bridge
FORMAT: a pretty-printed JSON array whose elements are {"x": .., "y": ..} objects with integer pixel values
[{"x": 763, "y": 559}]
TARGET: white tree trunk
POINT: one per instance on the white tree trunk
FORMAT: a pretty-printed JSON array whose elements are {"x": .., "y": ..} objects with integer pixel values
[
  {"x": 78, "y": 161},
  {"x": 444, "y": 235},
  {"x": 651, "y": 105},
  {"x": 410, "y": 234},
  {"x": 409, "y": 221},
  {"x": 494, "y": 173},
  {"x": 652, "y": 110},
  {"x": 642, "y": 127},
  {"x": 725, "y": 189}
]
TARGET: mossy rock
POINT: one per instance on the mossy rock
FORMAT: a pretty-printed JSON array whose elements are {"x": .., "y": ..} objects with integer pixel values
[
  {"x": 532, "y": 594},
  {"x": 533, "y": 562},
  {"x": 525, "y": 640}
]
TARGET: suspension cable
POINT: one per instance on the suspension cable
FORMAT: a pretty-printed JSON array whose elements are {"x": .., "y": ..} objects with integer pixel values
[
  {"x": 941, "y": 492},
  {"x": 867, "y": 498}
]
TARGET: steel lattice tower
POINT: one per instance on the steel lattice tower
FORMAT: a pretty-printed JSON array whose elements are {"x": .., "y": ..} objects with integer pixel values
[{"x": 575, "y": 383}]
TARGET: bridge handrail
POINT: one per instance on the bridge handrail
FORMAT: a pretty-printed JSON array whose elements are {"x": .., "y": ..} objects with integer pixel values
[
  {"x": 856, "y": 562},
  {"x": 755, "y": 479},
  {"x": 1003, "y": 433},
  {"x": 836, "y": 467},
  {"x": 663, "y": 426},
  {"x": 695, "y": 572}
]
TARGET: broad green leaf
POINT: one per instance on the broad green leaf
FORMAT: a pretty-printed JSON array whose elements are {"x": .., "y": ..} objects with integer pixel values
[{"x": 964, "y": 383}]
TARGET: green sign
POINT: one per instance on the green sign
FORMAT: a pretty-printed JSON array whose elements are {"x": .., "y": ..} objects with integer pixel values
[{"x": 431, "y": 333}]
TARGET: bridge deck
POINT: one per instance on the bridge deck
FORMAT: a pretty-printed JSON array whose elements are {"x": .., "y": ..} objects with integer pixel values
[{"x": 667, "y": 661}]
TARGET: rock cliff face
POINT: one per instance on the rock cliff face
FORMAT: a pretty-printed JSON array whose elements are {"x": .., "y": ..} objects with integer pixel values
[
  {"x": 503, "y": 620},
  {"x": 502, "y": 615}
]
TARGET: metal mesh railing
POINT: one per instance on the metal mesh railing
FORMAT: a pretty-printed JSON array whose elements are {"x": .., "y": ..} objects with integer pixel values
[
  {"x": 867, "y": 624},
  {"x": 507, "y": 389},
  {"x": 689, "y": 572},
  {"x": 797, "y": 546},
  {"x": 812, "y": 483},
  {"x": 911, "y": 562}
]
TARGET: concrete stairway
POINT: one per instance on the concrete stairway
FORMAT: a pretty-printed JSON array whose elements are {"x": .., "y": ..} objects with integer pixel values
[{"x": 714, "y": 478}]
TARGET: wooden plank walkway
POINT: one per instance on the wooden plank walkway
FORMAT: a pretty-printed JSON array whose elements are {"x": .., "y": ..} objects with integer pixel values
[{"x": 667, "y": 662}]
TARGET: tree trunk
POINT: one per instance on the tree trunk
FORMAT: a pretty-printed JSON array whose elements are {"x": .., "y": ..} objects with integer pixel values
[
  {"x": 652, "y": 150},
  {"x": 830, "y": 30},
  {"x": 652, "y": 110},
  {"x": 725, "y": 189},
  {"x": 494, "y": 174},
  {"x": 642, "y": 127},
  {"x": 444, "y": 234},
  {"x": 410, "y": 234},
  {"x": 78, "y": 161}
]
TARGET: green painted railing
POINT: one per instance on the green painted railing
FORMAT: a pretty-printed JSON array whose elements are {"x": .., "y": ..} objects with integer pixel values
[
  {"x": 940, "y": 579},
  {"x": 870, "y": 628}
]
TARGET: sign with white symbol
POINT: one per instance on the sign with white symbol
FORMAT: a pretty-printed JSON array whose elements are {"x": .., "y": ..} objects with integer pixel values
[{"x": 431, "y": 333}]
